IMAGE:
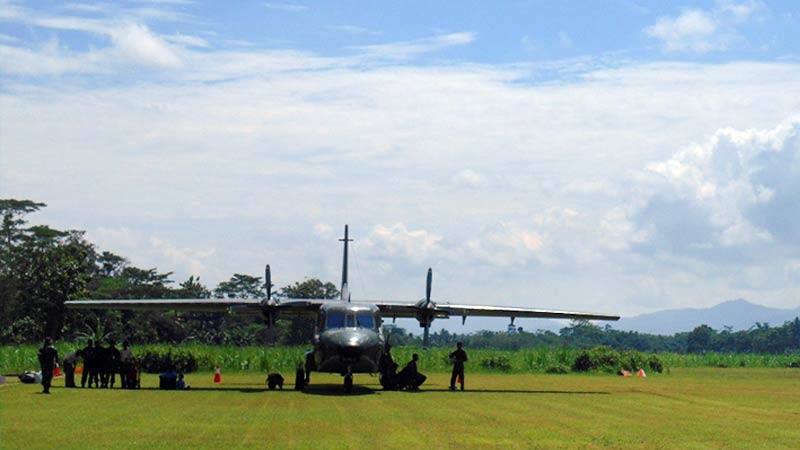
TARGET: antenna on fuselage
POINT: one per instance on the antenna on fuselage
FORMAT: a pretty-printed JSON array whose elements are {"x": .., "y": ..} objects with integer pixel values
[{"x": 345, "y": 291}]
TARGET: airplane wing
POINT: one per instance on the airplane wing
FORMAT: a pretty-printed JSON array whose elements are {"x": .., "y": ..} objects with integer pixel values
[
  {"x": 404, "y": 310},
  {"x": 287, "y": 307},
  {"x": 509, "y": 311},
  {"x": 184, "y": 304}
]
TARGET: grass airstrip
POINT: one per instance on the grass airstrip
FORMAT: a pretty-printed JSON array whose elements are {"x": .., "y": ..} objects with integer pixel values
[{"x": 689, "y": 408}]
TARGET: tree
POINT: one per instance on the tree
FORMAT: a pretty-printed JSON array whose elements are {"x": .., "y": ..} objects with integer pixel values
[
  {"x": 240, "y": 286},
  {"x": 301, "y": 330},
  {"x": 50, "y": 267},
  {"x": 699, "y": 339}
]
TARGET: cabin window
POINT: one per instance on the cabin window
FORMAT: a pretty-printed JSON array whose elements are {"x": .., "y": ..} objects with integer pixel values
[
  {"x": 335, "y": 320},
  {"x": 351, "y": 321},
  {"x": 366, "y": 320}
]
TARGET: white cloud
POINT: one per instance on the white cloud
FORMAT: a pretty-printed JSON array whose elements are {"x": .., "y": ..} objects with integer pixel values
[
  {"x": 282, "y": 140},
  {"x": 288, "y": 7},
  {"x": 136, "y": 43},
  {"x": 398, "y": 242},
  {"x": 702, "y": 31},
  {"x": 693, "y": 30},
  {"x": 409, "y": 49},
  {"x": 469, "y": 178},
  {"x": 737, "y": 189}
]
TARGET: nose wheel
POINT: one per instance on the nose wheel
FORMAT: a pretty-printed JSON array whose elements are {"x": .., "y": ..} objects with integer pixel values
[{"x": 348, "y": 380}]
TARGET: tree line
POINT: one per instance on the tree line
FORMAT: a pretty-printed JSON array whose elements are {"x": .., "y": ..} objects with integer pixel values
[{"x": 42, "y": 267}]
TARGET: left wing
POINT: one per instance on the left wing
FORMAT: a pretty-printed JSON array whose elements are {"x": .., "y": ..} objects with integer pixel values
[
  {"x": 286, "y": 307},
  {"x": 187, "y": 304}
]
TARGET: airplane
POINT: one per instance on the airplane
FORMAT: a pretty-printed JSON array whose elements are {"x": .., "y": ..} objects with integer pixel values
[{"x": 348, "y": 336}]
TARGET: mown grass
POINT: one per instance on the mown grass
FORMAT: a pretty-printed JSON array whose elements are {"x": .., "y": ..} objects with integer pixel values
[
  {"x": 282, "y": 359},
  {"x": 689, "y": 408}
]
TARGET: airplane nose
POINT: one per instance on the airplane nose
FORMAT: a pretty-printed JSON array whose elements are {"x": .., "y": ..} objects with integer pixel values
[{"x": 350, "y": 344}]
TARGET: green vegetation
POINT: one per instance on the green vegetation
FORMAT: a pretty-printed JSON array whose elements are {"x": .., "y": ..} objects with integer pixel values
[
  {"x": 690, "y": 408},
  {"x": 14, "y": 359}
]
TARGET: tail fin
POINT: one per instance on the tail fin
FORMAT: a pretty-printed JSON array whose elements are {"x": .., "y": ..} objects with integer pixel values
[{"x": 345, "y": 291}]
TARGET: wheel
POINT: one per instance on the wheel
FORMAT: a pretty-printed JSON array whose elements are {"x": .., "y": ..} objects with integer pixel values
[{"x": 348, "y": 383}]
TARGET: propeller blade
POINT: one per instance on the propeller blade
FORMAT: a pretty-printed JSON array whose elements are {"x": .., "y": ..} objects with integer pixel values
[
  {"x": 428, "y": 286},
  {"x": 271, "y": 330},
  {"x": 425, "y": 336},
  {"x": 268, "y": 282}
]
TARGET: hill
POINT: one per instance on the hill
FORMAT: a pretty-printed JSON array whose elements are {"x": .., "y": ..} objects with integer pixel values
[{"x": 738, "y": 314}]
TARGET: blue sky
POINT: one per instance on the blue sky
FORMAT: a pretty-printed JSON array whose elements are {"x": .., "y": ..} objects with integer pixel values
[{"x": 618, "y": 157}]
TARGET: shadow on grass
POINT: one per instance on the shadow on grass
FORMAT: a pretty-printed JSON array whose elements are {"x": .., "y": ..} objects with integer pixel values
[
  {"x": 209, "y": 389},
  {"x": 336, "y": 390},
  {"x": 515, "y": 391}
]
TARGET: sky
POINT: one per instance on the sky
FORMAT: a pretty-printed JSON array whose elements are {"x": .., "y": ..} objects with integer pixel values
[{"x": 619, "y": 157}]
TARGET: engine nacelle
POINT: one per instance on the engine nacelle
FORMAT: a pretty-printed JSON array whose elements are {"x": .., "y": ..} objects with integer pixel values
[
  {"x": 425, "y": 313},
  {"x": 269, "y": 312}
]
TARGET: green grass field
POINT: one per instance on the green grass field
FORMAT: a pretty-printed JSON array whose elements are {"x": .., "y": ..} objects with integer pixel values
[{"x": 689, "y": 408}]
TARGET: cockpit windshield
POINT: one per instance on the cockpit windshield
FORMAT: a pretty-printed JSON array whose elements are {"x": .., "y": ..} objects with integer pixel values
[
  {"x": 350, "y": 320},
  {"x": 335, "y": 320},
  {"x": 365, "y": 320}
]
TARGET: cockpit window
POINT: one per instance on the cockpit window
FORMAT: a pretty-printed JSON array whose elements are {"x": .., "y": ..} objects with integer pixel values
[
  {"x": 342, "y": 320},
  {"x": 335, "y": 320},
  {"x": 366, "y": 320}
]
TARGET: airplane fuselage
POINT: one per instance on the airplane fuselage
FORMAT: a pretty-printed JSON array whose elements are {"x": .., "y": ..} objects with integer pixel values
[{"x": 348, "y": 339}]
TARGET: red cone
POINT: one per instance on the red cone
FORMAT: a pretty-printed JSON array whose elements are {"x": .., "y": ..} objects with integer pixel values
[{"x": 217, "y": 375}]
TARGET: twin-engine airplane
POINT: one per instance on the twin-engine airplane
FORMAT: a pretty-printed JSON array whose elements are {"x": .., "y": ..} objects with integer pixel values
[{"x": 348, "y": 336}]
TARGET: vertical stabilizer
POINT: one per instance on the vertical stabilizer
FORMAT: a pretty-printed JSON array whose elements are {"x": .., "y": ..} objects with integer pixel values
[{"x": 345, "y": 291}]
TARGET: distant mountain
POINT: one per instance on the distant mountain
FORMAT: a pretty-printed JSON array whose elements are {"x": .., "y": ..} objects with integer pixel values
[{"x": 739, "y": 314}]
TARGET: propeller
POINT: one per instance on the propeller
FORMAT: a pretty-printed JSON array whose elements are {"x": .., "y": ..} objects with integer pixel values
[
  {"x": 427, "y": 311},
  {"x": 269, "y": 306}
]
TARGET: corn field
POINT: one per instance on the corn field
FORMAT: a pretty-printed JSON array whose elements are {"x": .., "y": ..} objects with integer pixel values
[{"x": 15, "y": 359}]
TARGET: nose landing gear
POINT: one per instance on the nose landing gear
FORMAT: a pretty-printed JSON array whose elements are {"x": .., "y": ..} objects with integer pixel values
[{"x": 348, "y": 380}]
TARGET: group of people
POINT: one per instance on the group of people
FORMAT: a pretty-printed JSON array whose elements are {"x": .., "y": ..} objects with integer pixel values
[
  {"x": 100, "y": 365},
  {"x": 409, "y": 378}
]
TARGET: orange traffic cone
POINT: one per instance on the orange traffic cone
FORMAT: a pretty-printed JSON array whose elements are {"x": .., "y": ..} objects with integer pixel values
[
  {"x": 217, "y": 375},
  {"x": 641, "y": 373},
  {"x": 57, "y": 371}
]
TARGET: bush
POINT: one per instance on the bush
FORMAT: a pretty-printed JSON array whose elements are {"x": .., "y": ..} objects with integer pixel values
[
  {"x": 598, "y": 358},
  {"x": 557, "y": 369},
  {"x": 158, "y": 361},
  {"x": 655, "y": 364},
  {"x": 497, "y": 362}
]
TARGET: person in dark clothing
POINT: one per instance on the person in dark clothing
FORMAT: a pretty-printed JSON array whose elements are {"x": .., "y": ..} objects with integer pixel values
[
  {"x": 458, "y": 357},
  {"x": 100, "y": 365},
  {"x": 388, "y": 369},
  {"x": 89, "y": 365},
  {"x": 48, "y": 356},
  {"x": 111, "y": 364},
  {"x": 70, "y": 362},
  {"x": 410, "y": 377}
]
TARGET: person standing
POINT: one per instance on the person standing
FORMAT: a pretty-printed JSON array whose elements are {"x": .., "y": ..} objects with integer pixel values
[
  {"x": 89, "y": 365},
  {"x": 458, "y": 357},
  {"x": 125, "y": 364},
  {"x": 47, "y": 361},
  {"x": 70, "y": 362},
  {"x": 111, "y": 364}
]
